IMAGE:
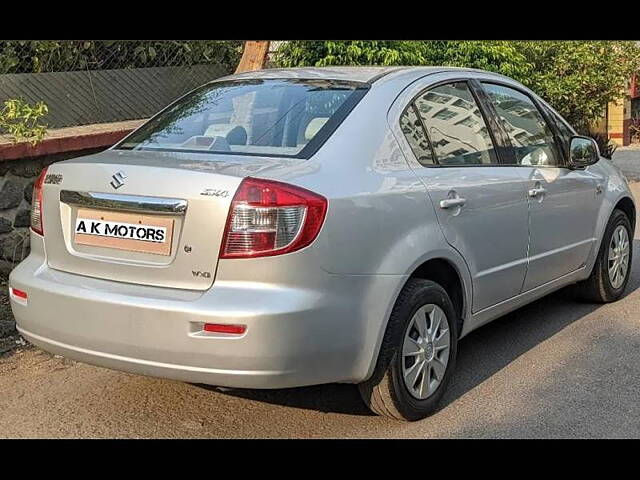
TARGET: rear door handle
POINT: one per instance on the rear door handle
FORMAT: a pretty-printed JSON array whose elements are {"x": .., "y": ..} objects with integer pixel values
[
  {"x": 534, "y": 192},
  {"x": 452, "y": 202}
]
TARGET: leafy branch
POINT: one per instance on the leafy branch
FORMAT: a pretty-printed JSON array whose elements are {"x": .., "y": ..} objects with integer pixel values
[{"x": 21, "y": 120}]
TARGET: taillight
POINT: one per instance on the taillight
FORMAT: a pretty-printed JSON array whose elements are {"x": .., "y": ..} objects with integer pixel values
[
  {"x": 271, "y": 218},
  {"x": 36, "y": 204}
]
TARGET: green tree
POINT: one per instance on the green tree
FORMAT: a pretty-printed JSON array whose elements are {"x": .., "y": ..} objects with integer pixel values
[
  {"x": 578, "y": 78},
  {"x": 355, "y": 52},
  {"x": 502, "y": 57}
]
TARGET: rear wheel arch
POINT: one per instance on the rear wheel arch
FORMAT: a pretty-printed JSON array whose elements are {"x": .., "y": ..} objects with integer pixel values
[
  {"x": 389, "y": 391},
  {"x": 443, "y": 272}
]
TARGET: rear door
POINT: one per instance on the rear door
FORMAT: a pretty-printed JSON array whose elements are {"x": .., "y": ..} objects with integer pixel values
[
  {"x": 480, "y": 204},
  {"x": 563, "y": 202}
]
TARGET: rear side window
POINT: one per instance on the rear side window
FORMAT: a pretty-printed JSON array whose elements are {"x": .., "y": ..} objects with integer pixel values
[
  {"x": 271, "y": 117},
  {"x": 414, "y": 133},
  {"x": 530, "y": 136},
  {"x": 455, "y": 126}
]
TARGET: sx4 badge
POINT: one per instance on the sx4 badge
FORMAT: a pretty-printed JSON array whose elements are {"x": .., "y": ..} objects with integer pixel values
[{"x": 214, "y": 192}]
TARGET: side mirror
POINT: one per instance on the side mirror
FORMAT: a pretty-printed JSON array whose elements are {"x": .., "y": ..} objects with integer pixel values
[{"x": 583, "y": 151}]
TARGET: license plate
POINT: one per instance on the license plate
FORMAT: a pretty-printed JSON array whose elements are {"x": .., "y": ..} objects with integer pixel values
[{"x": 124, "y": 231}]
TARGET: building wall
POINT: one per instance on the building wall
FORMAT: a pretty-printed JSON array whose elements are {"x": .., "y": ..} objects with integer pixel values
[
  {"x": 615, "y": 121},
  {"x": 619, "y": 118}
]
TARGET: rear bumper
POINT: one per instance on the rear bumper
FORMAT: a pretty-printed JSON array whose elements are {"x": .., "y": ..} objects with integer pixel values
[
  {"x": 294, "y": 337},
  {"x": 186, "y": 373}
]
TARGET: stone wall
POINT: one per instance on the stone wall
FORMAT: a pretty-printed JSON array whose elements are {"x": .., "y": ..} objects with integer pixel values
[{"x": 16, "y": 184}]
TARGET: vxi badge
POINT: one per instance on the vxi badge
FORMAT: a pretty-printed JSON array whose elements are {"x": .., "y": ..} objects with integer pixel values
[{"x": 199, "y": 274}]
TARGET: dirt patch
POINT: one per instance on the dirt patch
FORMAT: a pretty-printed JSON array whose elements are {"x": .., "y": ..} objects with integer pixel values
[{"x": 10, "y": 339}]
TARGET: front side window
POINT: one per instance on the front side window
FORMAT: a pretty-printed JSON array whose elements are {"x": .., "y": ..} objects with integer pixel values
[
  {"x": 455, "y": 126},
  {"x": 271, "y": 117},
  {"x": 563, "y": 129},
  {"x": 530, "y": 136}
]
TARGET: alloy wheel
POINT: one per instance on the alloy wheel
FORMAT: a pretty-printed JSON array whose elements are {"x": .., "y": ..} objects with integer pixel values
[
  {"x": 618, "y": 263},
  {"x": 425, "y": 351}
]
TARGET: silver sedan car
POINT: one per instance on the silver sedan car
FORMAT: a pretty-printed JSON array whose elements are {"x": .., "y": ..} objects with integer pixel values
[{"x": 305, "y": 226}]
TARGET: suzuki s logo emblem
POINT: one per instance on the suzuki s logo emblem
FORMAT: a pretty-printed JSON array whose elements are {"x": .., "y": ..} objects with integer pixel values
[{"x": 118, "y": 179}]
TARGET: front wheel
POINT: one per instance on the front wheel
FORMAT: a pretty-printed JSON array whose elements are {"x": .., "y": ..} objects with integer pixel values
[
  {"x": 417, "y": 356},
  {"x": 611, "y": 271}
]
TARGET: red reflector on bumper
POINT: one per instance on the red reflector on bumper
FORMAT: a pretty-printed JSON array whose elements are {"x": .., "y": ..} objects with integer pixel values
[
  {"x": 220, "y": 328},
  {"x": 18, "y": 293}
]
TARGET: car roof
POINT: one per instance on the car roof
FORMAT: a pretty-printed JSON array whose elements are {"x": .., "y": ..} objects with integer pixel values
[{"x": 366, "y": 74}]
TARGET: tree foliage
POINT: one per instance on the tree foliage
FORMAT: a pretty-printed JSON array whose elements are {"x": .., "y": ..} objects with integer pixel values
[
  {"x": 36, "y": 56},
  {"x": 22, "y": 121},
  {"x": 578, "y": 78},
  {"x": 356, "y": 52}
]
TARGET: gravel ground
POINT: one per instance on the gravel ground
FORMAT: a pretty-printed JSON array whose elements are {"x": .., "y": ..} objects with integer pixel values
[
  {"x": 553, "y": 369},
  {"x": 10, "y": 340}
]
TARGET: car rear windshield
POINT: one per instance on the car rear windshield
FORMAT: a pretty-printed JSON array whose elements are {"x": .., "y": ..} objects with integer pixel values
[{"x": 270, "y": 117}]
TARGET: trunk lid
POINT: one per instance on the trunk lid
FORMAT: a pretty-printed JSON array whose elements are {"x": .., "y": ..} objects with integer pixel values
[{"x": 185, "y": 196}]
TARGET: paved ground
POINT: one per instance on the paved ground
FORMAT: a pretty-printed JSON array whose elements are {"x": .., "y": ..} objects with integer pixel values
[
  {"x": 555, "y": 368},
  {"x": 628, "y": 159}
]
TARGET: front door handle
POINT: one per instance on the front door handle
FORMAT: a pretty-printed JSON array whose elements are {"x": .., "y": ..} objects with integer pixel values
[
  {"x": 534, "y": 192},
  {"x": 452, "y": 202}
]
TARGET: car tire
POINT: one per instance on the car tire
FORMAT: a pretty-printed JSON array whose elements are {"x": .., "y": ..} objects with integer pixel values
[
  {"x": 600, "y": 287},
  {"x": 387, "y": 392}
]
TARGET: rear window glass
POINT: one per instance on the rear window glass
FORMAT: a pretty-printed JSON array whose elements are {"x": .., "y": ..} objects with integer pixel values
[{"x": 288, "y": 117}]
